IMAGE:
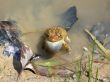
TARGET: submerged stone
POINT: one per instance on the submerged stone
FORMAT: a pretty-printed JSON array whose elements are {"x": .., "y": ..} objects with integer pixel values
[
  {"x": 101, "y": 31},
  {"x": 68, "y": 18},
  {"x": 8, "y": 31},
  {"x": 48, "y": 67}
]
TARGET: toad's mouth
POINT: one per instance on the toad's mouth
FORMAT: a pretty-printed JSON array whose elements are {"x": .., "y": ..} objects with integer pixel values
[{"x": 54, "y": 38}]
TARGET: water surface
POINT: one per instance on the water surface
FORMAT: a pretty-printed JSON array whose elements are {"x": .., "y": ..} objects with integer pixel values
[{"x": 37, "y": 15}]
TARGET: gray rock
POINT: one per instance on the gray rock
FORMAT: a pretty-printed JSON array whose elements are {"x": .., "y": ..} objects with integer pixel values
[
  {"x": 68, "y": 18},
  {"x": 20, "y": 63},
  {"x": 101, "y": 31},
  {"x": 7, "y": 33}
]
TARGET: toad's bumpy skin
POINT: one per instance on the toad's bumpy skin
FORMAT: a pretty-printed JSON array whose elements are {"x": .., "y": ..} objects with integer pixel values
[{"x": 56, "y": 39}]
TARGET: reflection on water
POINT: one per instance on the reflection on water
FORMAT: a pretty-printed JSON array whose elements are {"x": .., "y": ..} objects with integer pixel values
[{"x": 37, "y": 15}]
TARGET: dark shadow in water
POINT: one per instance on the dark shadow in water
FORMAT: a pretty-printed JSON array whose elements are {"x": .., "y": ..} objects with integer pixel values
[
  {"x": 30, "y": 70},
  {"x": 68, "y": 18},
  {"x": 17, "y": 65},
  {"x": 42, "y": 50}
]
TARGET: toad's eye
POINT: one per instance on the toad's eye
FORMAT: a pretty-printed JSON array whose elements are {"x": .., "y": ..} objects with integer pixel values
[
  {"x": 50, "y": 31},
  {"x": 58, "y": 34},
  {"x": 47, "y": 35}
]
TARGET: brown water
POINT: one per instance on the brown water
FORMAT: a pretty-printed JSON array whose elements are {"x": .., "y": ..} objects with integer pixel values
[{"x": 32, "y": 15}]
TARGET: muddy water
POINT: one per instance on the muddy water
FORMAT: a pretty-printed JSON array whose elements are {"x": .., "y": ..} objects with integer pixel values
[{"x": 37, "y": 15}]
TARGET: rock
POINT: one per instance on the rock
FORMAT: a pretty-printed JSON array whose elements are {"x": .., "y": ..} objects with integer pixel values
[
  {"x": 101, "y": 31},
  {"x": 98, "y": 31},
  {"x": 20, "y": 63},
  {"x": 48, "y": 67},
  {"x": 68, "y": 18},
  {"x": 3, "y": 36},
  {"x": 8, "y": 31}
]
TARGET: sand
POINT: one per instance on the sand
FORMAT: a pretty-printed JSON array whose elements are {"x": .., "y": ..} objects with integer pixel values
[{"x": 37, "y": 15}]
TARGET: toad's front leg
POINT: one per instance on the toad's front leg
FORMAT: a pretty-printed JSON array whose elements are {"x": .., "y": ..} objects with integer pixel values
[{"x": 67, "y": 47}]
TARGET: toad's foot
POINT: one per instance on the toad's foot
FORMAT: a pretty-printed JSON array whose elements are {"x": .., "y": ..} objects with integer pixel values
[{"x": 67, "y": 48}]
